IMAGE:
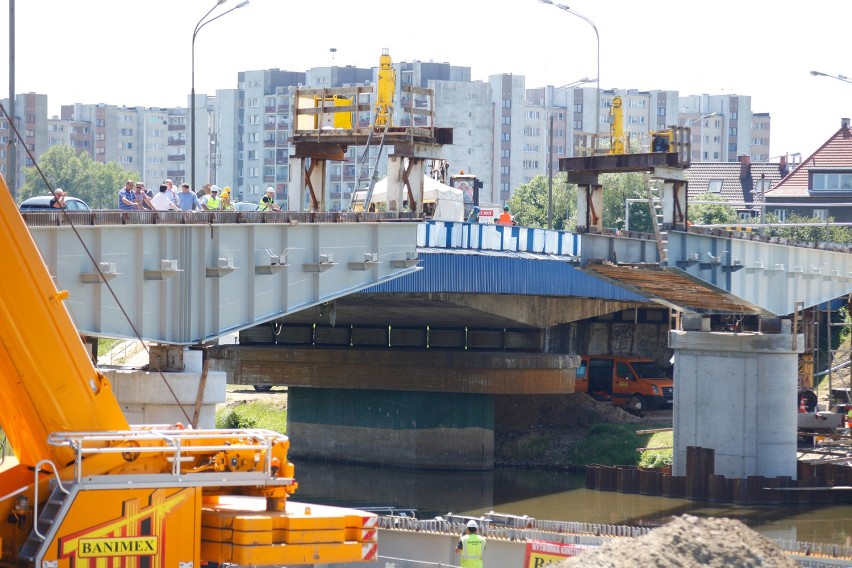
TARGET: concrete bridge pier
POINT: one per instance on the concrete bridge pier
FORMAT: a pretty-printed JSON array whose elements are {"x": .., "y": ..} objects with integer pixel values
[
  {"x": 736, "y": 393},
  {"x": 146, "y": 397}
]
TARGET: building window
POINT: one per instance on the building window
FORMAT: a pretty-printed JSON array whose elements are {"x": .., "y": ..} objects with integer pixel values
[
  {"x": 505, "y": 153},
  {"x": 578, "y": 125},
  {"x": 821, "y": 214},
  {"x": 505, "y": 137},
  {"x": 732, "y": 131},
  {"x": 635, "y": 120},
  {"x": 661, "y": 111},
  {"x": 504, "y": 170},
  {"x": 507, "y": 103},
  {"x": 714, "y": 186},
  {"x": 505, "y": 120},
  {"x": 831, "y": 181},
  {"x": 781, "y": 214}
]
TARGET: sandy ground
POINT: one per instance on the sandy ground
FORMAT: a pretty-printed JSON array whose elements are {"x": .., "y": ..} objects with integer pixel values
[{"x": 687, "y": 542}]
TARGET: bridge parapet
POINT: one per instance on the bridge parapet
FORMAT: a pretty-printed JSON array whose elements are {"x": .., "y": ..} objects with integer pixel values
[{"x": 475, "y": 236}]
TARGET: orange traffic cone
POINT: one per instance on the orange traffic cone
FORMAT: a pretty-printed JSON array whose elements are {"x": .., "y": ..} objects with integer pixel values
[{"x": 802, "y": 404}]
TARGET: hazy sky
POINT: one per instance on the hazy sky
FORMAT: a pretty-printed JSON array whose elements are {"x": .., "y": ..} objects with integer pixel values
[{"x": 138, "y": 52}]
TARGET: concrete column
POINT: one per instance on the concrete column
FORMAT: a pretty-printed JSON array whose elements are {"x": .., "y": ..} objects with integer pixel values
[
  {"x": 317, "y": 178},
  {"x": 590, "y": 209},
  {"x": 395, "y": 186},
  {"x": 674, "y": 204},
  {"x": 146, "y": 399},
  {"x": 427, "y": 430},
  {"x": 736, "y": 393},
  {"x": 296, "y": 185}
]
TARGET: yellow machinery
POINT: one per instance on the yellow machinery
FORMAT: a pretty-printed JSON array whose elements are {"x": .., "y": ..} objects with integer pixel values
[
  {"x": 85, "y": 489},
  {"x": 385, "y": 90},
  {"x": 616, "y": 129}
]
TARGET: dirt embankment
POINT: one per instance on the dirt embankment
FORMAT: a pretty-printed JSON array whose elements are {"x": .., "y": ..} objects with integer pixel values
[{"x": 687, "y": 542}]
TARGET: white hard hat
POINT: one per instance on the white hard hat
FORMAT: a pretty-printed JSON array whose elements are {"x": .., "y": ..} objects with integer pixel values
[
  {"x": 472, "y": 525},
  {"x": 270, "y": 189}
]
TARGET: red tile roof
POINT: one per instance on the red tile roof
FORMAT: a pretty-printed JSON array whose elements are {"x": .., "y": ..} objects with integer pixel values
[
  {"x": 700, "y": 174},
  {"x": 835, "y": 153}
]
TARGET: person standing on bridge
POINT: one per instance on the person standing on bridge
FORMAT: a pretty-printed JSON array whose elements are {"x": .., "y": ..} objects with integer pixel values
[
  {"x": 505, "y": 217},
  {"x": 471, "y": 547}
]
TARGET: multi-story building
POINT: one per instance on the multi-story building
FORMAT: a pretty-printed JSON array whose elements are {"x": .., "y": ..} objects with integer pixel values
[
  {"x": 729, "y": 134},
  {"x": 503, "y": 133}
]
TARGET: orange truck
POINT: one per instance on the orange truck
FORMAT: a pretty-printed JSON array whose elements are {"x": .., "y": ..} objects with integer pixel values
[{"x": 634, "y": 383}]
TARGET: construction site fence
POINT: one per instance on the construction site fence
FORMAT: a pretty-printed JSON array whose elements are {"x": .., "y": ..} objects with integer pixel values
[{"x": 807, "y": 554}]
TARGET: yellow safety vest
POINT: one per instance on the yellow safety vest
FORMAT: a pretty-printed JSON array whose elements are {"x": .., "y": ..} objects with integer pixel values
[
  {"x": 473, "y": 547},
  {"x": 213, "y": 202}
]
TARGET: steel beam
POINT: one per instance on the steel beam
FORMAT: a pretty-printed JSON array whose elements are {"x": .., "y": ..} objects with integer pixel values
[{"x": 187, "y": 284}]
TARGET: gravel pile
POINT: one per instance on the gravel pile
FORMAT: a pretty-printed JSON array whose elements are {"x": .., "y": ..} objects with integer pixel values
[{"x": 687, "y": 542}]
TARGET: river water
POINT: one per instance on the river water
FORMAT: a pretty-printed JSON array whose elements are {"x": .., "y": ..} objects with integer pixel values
[{"x": 547, "y": 495}]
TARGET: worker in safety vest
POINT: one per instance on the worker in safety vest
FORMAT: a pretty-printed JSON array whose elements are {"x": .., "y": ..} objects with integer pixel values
[
  {"x": 505, "y": 217},
  {"x": 267, "y": 202},
  {"x": 471, "y": 547},
  {"x": 214, "y": 201}
]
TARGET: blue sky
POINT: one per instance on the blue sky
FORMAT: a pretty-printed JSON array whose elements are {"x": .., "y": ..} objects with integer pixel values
[{"x": 132, "y": 52}]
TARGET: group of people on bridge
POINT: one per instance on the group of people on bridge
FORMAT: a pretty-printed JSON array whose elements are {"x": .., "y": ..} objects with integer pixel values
[{"x": 134, "y": 196}]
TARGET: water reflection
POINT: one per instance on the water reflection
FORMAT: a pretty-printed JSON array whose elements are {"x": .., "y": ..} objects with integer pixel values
[{"x": 547, "y": 495}]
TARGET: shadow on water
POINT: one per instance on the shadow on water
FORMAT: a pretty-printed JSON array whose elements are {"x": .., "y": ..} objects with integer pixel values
[{"x": 548, "y": 495}]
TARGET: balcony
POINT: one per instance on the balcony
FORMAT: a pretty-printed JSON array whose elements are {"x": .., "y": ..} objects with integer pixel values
[
  {"x": 269, "y": 126},
  {"x": 176, "y": 158},
  {"x": 177, "y": 142},
  {"x": 269, "y": 143},
  {"x": 175, "y": 173},
  {"x": 177, "y": 128}
]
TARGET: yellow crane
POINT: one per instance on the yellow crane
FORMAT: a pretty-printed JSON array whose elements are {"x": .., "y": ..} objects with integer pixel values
[{"x": 85, "y": 488}]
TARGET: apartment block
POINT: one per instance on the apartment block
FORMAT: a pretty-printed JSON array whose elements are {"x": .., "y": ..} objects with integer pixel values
[{"x": 504, "y": 133}]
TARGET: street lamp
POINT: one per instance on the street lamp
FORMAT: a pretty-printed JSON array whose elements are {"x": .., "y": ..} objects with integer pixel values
[
  {"x": 201, "y": 23},
  {"x": 701, "y": 135},
  {"x": 550, "y": 147},
  {"x": 843, "y": 78},
  {"x": 598, "y": 79}
]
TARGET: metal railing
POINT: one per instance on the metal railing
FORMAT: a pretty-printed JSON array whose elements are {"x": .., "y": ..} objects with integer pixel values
[
  {"x": 592, "y": 534},
  {"x": 179, "y": 447}
]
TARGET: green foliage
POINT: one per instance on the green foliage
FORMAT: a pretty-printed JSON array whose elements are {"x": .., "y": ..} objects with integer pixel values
[
  {"x": 95, "y": 183},
  {"x": 617, "y": 189},
  {"x": 529, "y": 203},
  {"x": 826, "y": 231},
  {"x": 528, "y": 447},
  {"x": 615, "y": 444},
  {"x": 105, "y": 345},
  {"x": 712, "y": 213},
  {"x": 252, "y": 415},
  {"x": 657, "y": 458}
]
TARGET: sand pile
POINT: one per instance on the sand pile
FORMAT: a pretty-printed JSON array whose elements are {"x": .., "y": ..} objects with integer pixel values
[{"x": 687, "y": 542}]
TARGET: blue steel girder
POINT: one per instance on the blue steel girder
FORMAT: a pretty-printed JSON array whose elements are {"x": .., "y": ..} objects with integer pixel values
[
  {"x": 186, "y": 284},
  {"x": 709, "y": 273}
]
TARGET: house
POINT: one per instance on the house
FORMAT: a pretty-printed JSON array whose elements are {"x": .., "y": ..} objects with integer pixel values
[
  {"x": 820, "y": 186},
  {"x": 739, "y": 183}
]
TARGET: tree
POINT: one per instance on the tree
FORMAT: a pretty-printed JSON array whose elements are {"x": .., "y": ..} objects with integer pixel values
[
  {"x": 95, "y": 183},
  {"x": 528, "y": 203},
  {"x": 617, "y": 189},
  {"x": 719, "y": 213},
  {"x": 825, "y": 231}
]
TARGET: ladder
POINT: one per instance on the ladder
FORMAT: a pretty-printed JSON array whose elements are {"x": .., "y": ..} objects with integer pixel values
[
  {"x": 655, "y": 209},
  {"x": 367, "y": 171},
  {"x": 44, "y": 523}
]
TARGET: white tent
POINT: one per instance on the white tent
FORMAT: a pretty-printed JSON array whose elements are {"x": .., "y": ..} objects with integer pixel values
[{"x": 449, "y": 201}]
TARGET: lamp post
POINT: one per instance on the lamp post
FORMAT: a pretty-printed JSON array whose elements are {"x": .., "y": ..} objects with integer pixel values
[
  {"x": 201, "y": 23},
  {"x": 550, "y": 147},
  {"x": 843, "y": 78},
  {"x": 598, "y": 79},
  {"x": 11, "y": 149},
  {"x": 689, "y": 123}
]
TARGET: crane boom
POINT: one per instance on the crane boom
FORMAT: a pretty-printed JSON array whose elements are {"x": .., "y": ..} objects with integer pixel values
[{"x": 87, "y": 489}]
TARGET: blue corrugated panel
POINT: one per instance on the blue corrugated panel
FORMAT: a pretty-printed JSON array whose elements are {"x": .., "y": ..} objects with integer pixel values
[{"x": 502, "y": 273}]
